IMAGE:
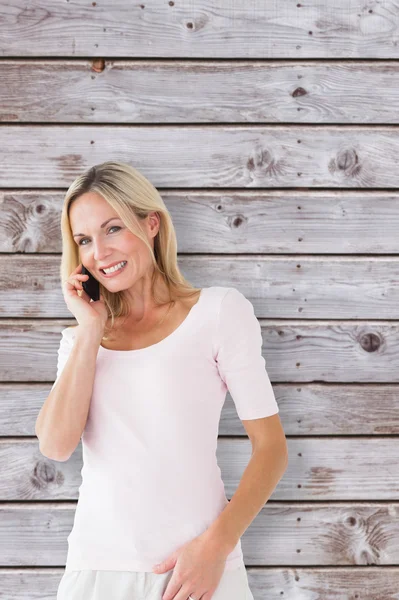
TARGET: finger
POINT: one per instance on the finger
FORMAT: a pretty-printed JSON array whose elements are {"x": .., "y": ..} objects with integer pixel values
[
  {"x": 76, "y": 280},
  {"x": 171, "y": 590},
  {"x": 78, "y": 269},
  {"x": 85, "y": 296},
  {"x": 74, "y": 283},
  {"x": 73, "y": 287}
]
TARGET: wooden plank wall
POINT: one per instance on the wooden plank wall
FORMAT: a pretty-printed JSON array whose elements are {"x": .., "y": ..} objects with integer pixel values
[{"x": 270, "y": 130}]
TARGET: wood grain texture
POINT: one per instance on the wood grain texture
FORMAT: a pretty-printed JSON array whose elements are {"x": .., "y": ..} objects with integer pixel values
[
  {"x": 296, "y": 351},
  {"x": 306, "y": 583},
  {"x": 204, "y": 156},
  {"x": 279, "y": 288},
  {"x": 232, "y": 222},
  {"x": 306, "y": 409},
  {"x": 294, "y": 534},
  {"x": 319, "y": 469},
  {"x": 153, "y": 91},
  {"x": 237, "y": 112},
  {"x": 177, "y": 29}
]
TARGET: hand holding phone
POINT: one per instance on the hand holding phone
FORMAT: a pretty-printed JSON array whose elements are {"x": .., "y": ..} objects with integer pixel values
[
  {"x": 91, "y": 286},
  {"x": 90, "y": 307}
]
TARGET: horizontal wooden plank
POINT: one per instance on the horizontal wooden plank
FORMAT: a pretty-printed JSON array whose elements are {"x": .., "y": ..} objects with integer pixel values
[
  {"x": 169, "y": 29},
  {"x": 272, "y": 221},
  {"x": 367, "y": 583},
  {"x": 316, "y": 534},
  {"x": 294, "y": 351},
  {"x": 128, "y": 91},
  {"x": 335, "y": 468},
  {"x": 305, "y": 410},
  {"x": 204, "y": 156},
  {"x": 279, "y": 287}
]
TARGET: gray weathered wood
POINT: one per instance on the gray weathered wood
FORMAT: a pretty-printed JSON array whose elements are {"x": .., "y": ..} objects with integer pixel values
[
  {"x": 222, "y": 137},
  {"x": 305, "y": 409},
  {"x": 278, "y": 287},
  {"x": 209, "y": 156},
  {"x": 319, "y": 469},
  {"x": 226, "y": 92},
  {"x": 226, "y": 29},
  {"x": 312, "y": 533},
  {"x": 321, "y": 583},
  {"x": 296, "y": 351},
  {"x": 211, "y": 222}
]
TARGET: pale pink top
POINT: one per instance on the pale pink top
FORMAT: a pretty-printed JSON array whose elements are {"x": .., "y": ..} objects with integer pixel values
[{"x": 150, "y": 477}]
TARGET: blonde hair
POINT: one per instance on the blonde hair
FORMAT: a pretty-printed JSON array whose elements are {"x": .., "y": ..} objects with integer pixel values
[{"x": 132, "y": 196}]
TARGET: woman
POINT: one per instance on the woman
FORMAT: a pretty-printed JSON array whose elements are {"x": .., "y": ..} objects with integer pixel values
[{"x": 142, "y": 380}]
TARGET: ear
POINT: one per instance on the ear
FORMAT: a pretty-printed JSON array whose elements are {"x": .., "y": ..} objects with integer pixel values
[{"x": 154, "y": 222}]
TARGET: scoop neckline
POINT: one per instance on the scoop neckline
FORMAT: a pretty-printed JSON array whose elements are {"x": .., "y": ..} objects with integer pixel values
[{"x": 165, "y": 339}]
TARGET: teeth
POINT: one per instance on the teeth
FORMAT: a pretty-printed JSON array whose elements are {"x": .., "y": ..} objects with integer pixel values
[{"x": 115, "y": 268}]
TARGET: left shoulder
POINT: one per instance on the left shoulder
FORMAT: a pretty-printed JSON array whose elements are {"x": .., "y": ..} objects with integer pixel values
[{"x": 232, "y": 297}]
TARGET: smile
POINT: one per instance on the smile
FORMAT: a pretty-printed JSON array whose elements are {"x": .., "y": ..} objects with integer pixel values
[{"x": 116, "y": 271}]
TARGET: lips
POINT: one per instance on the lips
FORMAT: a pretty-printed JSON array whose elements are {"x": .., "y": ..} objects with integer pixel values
[
  {"x": 111, "y": 265},
  {"x": 114, "y": 272}
]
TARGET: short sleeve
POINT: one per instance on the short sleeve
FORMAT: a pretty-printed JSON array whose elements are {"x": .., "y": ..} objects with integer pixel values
[
  {"x": 239, "y": 358},
  {"x": 64, "y": 350}
]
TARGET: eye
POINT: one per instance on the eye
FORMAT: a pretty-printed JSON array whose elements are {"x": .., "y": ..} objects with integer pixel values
[{"x": 113, "y": 227}]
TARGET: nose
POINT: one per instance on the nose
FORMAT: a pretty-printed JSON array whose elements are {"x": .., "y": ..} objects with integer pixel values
[{"x": 101, "y": 253}]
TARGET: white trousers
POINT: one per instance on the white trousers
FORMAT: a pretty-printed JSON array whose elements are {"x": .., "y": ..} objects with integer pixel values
[{"x": 142, "y": 585}]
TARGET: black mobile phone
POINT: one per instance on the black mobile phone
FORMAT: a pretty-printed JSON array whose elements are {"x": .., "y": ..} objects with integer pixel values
[{"x": 91, "y": 286}]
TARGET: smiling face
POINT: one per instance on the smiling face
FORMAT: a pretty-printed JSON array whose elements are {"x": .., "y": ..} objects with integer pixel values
[{"x": 111, "y": 244}]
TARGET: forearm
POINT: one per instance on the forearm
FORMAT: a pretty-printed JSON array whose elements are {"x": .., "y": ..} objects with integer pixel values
[
  {"x": 261, "y": 476},
  {"x": 63, "y": 415}
]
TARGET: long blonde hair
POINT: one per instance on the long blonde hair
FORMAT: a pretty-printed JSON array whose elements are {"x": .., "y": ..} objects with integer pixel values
[{"x": 132, "y": 196}]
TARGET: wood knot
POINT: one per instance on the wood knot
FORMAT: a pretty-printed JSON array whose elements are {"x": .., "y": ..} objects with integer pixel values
[
  {"x": 237, "y": 221},
  {"x": 250, "y": 164},
  {"x": 347, "y": 160},
  {"x": 299, "y": 92},
  {"x": 262, "y": 160},
  {"x": 43, "y": 473},
  {"x": 370, "y": 342},
  {"x": 98, "y": 65}
]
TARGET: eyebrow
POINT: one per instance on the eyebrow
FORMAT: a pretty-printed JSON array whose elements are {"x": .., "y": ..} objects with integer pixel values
[{"x": 103, "y": 225}]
